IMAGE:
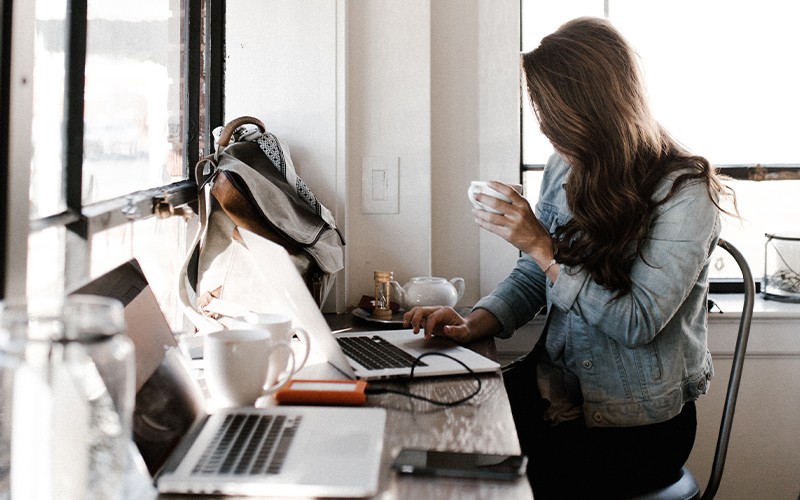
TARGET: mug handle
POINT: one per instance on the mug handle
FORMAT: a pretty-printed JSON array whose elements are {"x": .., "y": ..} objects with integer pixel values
[
  {"x": 471, "y": 192},
  {"x": 304, "y": 338},
  {"x": 286, "y": 374}
]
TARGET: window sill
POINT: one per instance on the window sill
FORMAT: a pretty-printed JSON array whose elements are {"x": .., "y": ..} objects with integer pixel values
[{"x": 762, "y": 308}]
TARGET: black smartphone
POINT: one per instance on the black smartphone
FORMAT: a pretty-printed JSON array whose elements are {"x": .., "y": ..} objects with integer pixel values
[{"x": 460, "y": 464}]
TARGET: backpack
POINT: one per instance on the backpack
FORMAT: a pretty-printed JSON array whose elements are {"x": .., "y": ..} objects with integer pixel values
[{"x": 250, "y": 182}]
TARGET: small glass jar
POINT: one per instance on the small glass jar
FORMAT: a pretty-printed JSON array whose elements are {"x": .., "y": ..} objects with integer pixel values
[
  {"x": 782, "y": 267},
  {"x": 68, "y": 390}
]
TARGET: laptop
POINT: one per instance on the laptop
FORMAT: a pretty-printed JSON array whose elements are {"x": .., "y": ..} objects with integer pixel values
[
  {"x": 280, "y": 451},
  {"x": 358, "y": 355}
]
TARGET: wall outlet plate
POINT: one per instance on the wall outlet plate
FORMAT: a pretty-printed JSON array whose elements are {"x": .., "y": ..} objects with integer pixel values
[{"x": 380, "y": 185}]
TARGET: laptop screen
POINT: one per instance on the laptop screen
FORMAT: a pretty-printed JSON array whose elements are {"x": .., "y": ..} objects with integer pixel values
[{"x": 168, "y": 398}]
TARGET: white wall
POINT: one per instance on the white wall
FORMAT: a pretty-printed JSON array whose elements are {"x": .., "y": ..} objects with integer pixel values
[
  {"x": 388, "y": 85},
  {"x": 763, "y": 460},
  {"x": 432, "y": 86},
  {"x": 282, "y": 66}
]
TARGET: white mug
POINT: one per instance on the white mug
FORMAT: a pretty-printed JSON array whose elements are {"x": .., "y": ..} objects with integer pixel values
[
  {"x": 237, "y": 365},
  {"x": 482, "y": 187},
  {"x": 280, "y": 326}
]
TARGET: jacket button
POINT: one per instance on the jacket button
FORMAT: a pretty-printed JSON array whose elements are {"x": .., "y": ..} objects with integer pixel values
[
  {"x": 701, "y": 385},
  {"x": 587, "y": 363},
  {"x": 597, "y": 417}
]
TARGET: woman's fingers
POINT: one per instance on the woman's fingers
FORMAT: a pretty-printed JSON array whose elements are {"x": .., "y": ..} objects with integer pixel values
[{"x": 432, "y": 320}]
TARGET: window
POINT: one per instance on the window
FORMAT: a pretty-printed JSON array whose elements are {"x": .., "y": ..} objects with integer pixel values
[
  {"x": 118, "y": 116},
  {"x": 722, "y": 79}
]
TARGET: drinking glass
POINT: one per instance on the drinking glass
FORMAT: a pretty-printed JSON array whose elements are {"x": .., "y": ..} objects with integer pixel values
[{"x": 67, "y": 376}]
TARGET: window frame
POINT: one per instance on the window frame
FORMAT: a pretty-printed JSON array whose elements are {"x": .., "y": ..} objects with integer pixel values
[
  {"x": 203, "y": 46},
  {"x": 749, "y": 172},
  {"x": 5, "y": 101}
]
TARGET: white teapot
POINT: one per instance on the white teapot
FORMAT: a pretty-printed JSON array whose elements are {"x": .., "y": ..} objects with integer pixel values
[{"x": 428, "y": 291}]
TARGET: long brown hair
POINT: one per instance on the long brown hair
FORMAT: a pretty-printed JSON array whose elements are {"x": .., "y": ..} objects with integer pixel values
[{"x": 587, "y": 92}]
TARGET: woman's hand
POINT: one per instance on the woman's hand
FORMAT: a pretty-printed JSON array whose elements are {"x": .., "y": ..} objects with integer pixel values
[
  {"x": 516, "y": 223},
  {"x": 446, "y": 322},
  {"x": 438, "y": 321}
]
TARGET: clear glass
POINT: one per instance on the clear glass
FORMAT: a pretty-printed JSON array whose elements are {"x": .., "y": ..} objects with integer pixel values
[
  {"x": 782, "y": 267},
  {"x": 68, "y": 381},
  {"x": 765, "y": 207},
  {"x": 722, "y": 76},
  {"x": 132, "y": 131},
  {"x": 132, "y": 112},
  {"x": 728, "y": 91},
  {"x": 538, "y": 20}
]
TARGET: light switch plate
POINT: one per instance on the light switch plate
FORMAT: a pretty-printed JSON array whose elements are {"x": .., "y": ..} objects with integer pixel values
[{"x": 380, "y": 184}]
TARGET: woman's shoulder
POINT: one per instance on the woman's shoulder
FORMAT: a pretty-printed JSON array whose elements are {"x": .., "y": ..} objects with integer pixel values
[
  {"x": 685, "y": 173},
  {"x": 551, "y": 206},
  {"x": 692, "y": 190},
  {"x": 555, "y": 174},
  {"x": 556, "y": 165}
]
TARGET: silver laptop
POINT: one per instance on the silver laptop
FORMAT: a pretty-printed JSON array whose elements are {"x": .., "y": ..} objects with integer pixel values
[
  {"x": 397, "y": 349},
  {"x": 282, "y": 451}
]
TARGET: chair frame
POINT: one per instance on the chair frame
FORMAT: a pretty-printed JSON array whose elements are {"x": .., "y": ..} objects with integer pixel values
[
  {"x": 737, "y": 367},
  {"x": 686, "y": 487}
]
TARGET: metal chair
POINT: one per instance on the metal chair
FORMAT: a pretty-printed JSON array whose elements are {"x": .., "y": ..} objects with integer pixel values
[{"x": 686, "y": 486}]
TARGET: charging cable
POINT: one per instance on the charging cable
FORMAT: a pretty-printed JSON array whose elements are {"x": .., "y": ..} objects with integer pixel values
[{"x": 379, "y": 390}]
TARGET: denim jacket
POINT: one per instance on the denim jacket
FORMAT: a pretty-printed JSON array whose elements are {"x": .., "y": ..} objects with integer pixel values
[{"x": 638, "y": 358}]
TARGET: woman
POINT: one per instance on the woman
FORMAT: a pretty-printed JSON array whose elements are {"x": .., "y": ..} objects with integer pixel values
[{"x": 618, "y": 252}]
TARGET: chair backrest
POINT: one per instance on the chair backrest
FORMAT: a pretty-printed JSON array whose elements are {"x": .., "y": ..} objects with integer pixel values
[{"x": 736, "y": 371}]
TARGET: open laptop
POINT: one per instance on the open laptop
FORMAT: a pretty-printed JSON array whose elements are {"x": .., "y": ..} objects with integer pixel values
[
  {"x": 282, "y": 451},
  {"x": 364, "y": 355}
]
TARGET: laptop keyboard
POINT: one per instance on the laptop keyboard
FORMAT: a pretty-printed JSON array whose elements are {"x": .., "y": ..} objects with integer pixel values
[
  {"x": 375, "y": 353},
  {"x": 249, "y": 445}
]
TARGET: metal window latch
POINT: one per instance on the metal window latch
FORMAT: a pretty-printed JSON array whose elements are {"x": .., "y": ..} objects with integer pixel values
[
  {"x": 164, "y": 209},
  {"x": 130, "y": 209}
]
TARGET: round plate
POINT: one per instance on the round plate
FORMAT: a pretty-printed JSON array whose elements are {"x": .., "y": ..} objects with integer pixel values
[{"x": 397, "y": 317}]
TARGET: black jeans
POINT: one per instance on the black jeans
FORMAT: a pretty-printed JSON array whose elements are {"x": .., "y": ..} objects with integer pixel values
[{"x": 571, "y": 460}]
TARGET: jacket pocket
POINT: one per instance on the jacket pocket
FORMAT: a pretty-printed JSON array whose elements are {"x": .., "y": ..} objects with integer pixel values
[{"x": 653, "y": 362}]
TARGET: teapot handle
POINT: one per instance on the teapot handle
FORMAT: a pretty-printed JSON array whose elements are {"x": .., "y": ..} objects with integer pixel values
[{"x": 458, "y": 283}]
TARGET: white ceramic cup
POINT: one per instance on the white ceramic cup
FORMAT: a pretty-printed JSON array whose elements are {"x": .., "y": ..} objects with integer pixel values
[
  {"x": 280, "y": 326},
  {"x": 237, "y": 364},
  {"x": 482, "y": 187}
]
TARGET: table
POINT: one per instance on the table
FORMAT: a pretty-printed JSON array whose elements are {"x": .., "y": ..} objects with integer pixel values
[{"x": 482, "y": 424}]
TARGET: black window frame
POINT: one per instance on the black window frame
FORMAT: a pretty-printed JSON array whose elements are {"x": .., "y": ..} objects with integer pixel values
[
  {"x": 6, "y": 10},
  {"x": 203, "y": 47}
]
